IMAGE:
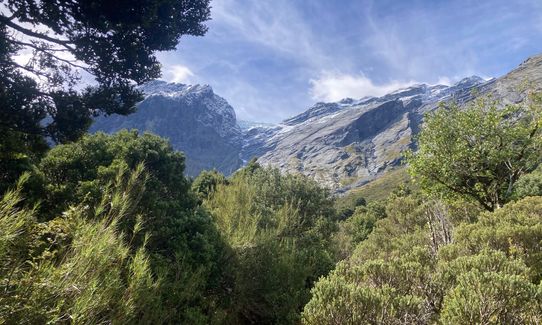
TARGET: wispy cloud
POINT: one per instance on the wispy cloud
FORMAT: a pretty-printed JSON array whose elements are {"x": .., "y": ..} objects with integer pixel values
[
  {"x": 276, "y": 25},
  {"x": 273, "y": 59},
  {"x": 335, "y": 86},
  {"x": 178, "y": 73}
]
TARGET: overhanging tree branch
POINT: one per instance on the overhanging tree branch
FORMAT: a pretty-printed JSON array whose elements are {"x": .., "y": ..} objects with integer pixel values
[
  {"x": 65, "y": 43},
  {"x": 37, "y": 47}
]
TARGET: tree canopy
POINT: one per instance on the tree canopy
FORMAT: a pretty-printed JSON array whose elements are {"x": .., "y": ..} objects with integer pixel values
[
  {"x": 279, "y": 230},
  {"x": 479, "y": 152},
  {"x": 48, "y": 46},
  {"x": 180, "y": 239}
]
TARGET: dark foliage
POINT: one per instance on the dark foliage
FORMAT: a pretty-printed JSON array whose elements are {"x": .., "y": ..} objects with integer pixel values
[{"x": 112, "y": 42}]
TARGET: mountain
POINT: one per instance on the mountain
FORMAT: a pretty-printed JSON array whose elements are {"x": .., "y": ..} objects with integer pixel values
[
  {"x": 342, "y": 145},
  {"x": 346, "y": 144},
  {"x": 247, "y": 125},
  {"x": 194, "y": 119}
]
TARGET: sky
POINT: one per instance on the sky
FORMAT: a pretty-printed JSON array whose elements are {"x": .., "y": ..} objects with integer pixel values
[{"x": 273, "y": 59}]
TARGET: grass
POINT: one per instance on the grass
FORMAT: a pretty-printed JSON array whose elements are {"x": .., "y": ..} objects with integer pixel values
[
  {"x": 379, "y": 189},
  {"x": 398, "y": 148},
  {"x": 347, "y": 180}
]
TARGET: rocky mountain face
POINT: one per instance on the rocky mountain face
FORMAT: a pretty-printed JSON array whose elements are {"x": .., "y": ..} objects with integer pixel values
[
  {"x": 351, "y": 142},
  {"x": 194, "y": 119},
  {"x": 348, "y": 143},
  {"x": 342, "y": 145}
]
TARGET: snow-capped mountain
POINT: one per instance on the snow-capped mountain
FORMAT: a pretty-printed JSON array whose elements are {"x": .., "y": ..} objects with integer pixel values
[
  {"x": 194, "y": 119},
  {"x": 342, "y": 145},
  {"x": 351, "y": 142},
  {"x": 347, "y": 143}
]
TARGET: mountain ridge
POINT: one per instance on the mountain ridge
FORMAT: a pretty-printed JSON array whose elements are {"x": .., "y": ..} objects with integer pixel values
[
  {"x": 349, "y": 143},
  {"x": 342, "y": 144},
  {"x": 330, "y": 141},
  {"x": 195, "y": 120}
]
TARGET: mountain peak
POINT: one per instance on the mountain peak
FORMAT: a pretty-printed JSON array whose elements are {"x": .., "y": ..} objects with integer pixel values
[
  {"x": 470, "y": 81},
  {"x": 165, "y": 88},
  {"x": 192, "y": 117}
]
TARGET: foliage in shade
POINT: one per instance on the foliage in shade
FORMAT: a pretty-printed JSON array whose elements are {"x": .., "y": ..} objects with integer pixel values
[
  {"x": 206, "y": 183},
  {"x": 279, "y": 229},
  {"x": 114, "y": 42}
]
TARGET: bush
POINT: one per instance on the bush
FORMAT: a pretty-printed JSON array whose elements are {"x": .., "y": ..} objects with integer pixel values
[
  {"x": 184, "y": 247},
  {"x": 483, "y": 271},
  {"x": 279, "y": 229},
  {"x": 492, "y": 298},
  {"x": 98, "y": 278}
]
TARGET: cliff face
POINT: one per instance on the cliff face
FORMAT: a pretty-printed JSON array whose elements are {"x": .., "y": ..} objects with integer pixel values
[
  {"x": 348, "y": 143},
  {"x": 194, "y": 119},
  {"x": 351, "y": 142}
]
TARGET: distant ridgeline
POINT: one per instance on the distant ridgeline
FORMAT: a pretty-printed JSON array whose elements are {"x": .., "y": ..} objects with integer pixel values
[
  {"x": 342, "y": 145},
  {"x": 193, "y": 118}
]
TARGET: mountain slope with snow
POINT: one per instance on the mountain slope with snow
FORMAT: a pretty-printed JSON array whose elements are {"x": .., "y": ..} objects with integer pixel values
[
  {"x": 194, "y": 119},
  {"x": 348, "y": 143},
  {"x": 342, "y": 145}
]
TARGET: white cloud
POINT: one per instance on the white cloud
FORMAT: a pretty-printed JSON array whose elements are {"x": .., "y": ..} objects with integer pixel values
[
  {"x": 331, "y": 87},
  {"x": 444, "y": 81},
  {"x": 179, "y": 73}
]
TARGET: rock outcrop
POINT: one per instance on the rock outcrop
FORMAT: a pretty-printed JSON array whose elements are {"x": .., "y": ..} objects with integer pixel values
[{"x": 194, "y": 119}]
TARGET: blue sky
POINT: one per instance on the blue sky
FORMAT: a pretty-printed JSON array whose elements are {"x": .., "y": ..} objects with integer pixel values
[{"x": 272, "y": 59}]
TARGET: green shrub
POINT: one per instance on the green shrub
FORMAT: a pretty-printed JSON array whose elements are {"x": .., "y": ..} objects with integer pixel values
[{"x": 279, "y": 229}]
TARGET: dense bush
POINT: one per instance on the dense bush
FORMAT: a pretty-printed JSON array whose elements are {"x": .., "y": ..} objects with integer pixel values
[
  {"x": 92, "y": 244},
  {"x": 529, "y": 184},
  {"x": 183, "y": 245},
  {"x": 77, "y": 173},
  {"x": 279, "y": 229},
  {"x": 409, "y": 271},
  {"x": 94, "y": 277}
]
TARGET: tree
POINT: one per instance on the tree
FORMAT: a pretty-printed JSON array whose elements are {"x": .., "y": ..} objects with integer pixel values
[
  {"x": 478, "y": 152},
  {"x": 77, "y": 173},
  {"x": 279, "y": 230},
  {"x": 206, "y": 182},
  {"x": 112, "y": 42},
  {"x": 183, "y": 244},
  {"x": 357, "y": 227}
]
